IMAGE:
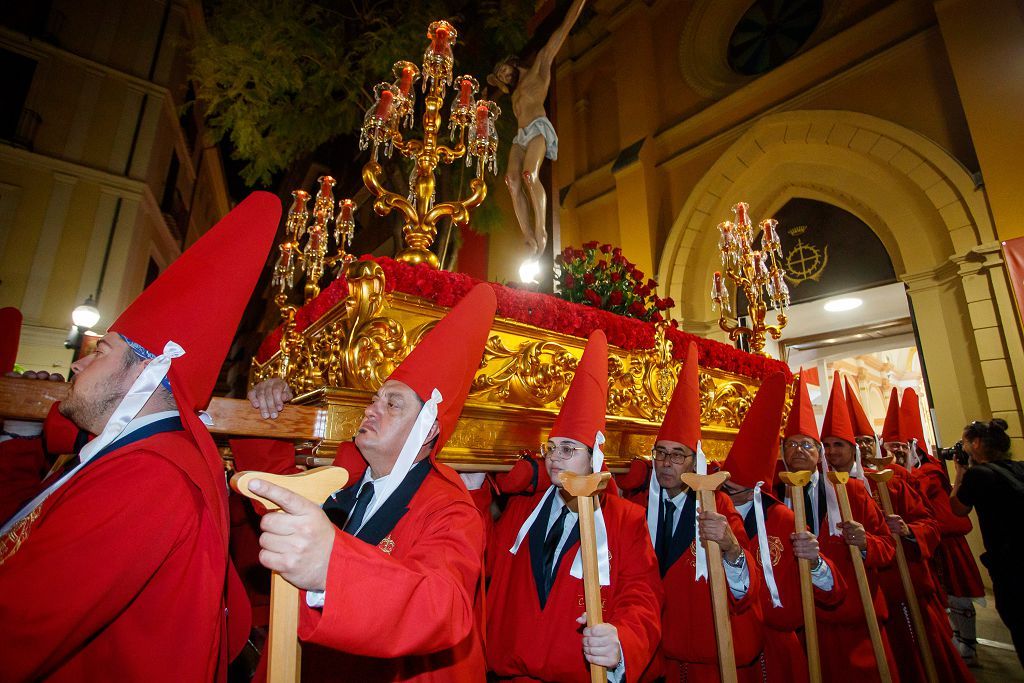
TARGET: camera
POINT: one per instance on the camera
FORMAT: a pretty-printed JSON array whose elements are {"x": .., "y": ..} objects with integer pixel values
[{"x": 956, "y": 453}]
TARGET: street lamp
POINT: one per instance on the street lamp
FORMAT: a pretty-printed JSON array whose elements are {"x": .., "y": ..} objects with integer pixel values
[{"x": 84, "y": 317}]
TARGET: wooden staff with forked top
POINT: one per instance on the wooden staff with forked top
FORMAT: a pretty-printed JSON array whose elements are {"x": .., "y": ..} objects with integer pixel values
[
  {"x": 881, "y": 480},
  {"x": 796, "y": 481},
  {"x": 585, "y": 487},
  {"x": 284, "y": 660},
  {"x": 839, "y": 480},
  {"x": 705, "y": 485}
]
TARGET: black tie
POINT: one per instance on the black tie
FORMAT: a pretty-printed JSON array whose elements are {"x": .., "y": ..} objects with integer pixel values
[
  {"x": 550, "y": 546},
  {"x": 809, "y": 510},
  {"x": 668, "y": 510},
  {"x": 363, "y": 499}
]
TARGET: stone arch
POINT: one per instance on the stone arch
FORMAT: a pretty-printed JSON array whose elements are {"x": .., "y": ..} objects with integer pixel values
[{"x": 920, "y": 201}]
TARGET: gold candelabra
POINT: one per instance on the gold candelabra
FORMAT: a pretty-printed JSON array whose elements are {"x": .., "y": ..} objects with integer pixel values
[
  {"x": 313, "y": 256},
  {"x": 757, "y": 272},
  {"x": 393, "y": 109}
]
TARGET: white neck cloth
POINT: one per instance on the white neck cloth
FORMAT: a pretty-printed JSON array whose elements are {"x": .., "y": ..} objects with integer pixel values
[
  {"x": 600, "y": 529},
  {"x": 406, "y": 457},
  {"x": 831, "y": 502},
  {"x": 139, "y": 393},
  {"x": 701, "y": 571},
  {"x": 762, "y": 547}
]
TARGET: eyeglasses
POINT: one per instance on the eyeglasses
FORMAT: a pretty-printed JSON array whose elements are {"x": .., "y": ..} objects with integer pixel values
[
  {"x": 674, "y": 457},
  {"x": 801, "y": 445},
  {"x": 562, "y": 451}
]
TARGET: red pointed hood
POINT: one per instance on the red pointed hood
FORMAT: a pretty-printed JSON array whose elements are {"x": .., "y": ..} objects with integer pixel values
[
  {"x": 448, "y": 358},
  {"x": 199, "y": 300},
  {"x": 910, "y": 420},
  {"x": 755, "y": 451},
  {"x": 682, "y": 419},
  {"x": 858, "y": 418},
  {"x": 837, "y": 414},
  {"x": 583, "y": 411},
  {"x": 10, "y": 335},
  {"x": 891, "y": 426},
  {"x": 801, "y": 415}
]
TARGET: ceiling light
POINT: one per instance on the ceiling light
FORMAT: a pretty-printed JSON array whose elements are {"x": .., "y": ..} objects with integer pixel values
[{"x": 839, "y": 305}]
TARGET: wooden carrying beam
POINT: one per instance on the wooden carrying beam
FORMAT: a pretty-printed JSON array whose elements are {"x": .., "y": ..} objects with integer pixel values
[{"x": 30, "y": 399}]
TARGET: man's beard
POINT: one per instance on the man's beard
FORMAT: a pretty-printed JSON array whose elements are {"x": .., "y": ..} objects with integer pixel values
[{"x": 91, "y": 414}]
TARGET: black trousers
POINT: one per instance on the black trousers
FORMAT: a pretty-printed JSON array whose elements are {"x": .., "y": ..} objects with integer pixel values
[{"x": 1009, "y": 594}]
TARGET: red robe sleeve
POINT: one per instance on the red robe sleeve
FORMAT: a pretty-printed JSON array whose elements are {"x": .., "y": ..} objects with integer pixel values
[
  {"x": 417, "y": 604},
  {"x": 639, "y": 596},
  {"x": 949, "y": 523},
  {"x": 84, "y": 560},
  {"x": 881, "y": 550},
  {"x": 912, "y": 507}
]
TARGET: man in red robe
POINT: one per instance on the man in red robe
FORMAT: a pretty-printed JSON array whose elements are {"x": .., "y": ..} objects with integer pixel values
[
  {"x": 535, "y": 600},
  {"x": 118, "y": 568},
  {"x": 846, "y": 651},
  {"x": 913, "y": 524},
  {"x": 771, "y": 538},
  {"x": 953, "y": 562},
  {"x": 689, "y": 650},
  {"x": 390, "y": 566}
]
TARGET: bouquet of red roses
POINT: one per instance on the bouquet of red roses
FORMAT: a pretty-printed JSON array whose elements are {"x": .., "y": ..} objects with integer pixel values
[{"x": 599, "y": 275}]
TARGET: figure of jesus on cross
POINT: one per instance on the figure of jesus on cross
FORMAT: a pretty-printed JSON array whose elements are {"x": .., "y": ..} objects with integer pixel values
[{"x": 536, "y": 138}]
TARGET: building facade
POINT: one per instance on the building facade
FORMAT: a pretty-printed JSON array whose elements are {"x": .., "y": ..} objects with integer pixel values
[
  {"x": 897, "y": 113},
  {"x": 105, "y": 176}
]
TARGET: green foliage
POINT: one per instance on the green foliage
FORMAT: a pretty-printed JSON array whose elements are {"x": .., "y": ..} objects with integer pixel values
[{"x": 282, "y": 78}]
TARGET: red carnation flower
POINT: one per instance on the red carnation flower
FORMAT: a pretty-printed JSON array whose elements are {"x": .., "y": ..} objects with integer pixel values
[
  {"x": 591, "y": 245},
  {"x": 651, "y": 283},
  {"x": 656, "y": 317},
  {"x": 636, "y": 308},
  {"x": 592, "y": 296},
  {"x": 602, "y": 264},
  {"x": 616, "y": 276},
  {"x": 669, "y": 303},
  {"x": 615, "y": 298},
  {"x": 617, "y": 259},
  {"x": 588, "y": 278},
  {"x": 617, "y": 251},
  {"x": 638, "y": 275},
  {"x": 567, "y": 253},
  {"x": 570, "y": 281},
  {"x": 606, "y": 248}
]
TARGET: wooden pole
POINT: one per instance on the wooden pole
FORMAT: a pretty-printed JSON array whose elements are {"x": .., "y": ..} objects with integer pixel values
[
  {"x": 585, "y": 487},
  {"x": 796, "y": 482},
  {"x": 839, "y": 480},
  {"x": 284, "y": 657},
  {"x": 705, "y": 486},
  {"x": 881, "y": 480}
]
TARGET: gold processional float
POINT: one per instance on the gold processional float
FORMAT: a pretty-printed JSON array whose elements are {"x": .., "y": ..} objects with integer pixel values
[
  {"x": 338, "y": 361},
  {"x": 334, "y": 364}
]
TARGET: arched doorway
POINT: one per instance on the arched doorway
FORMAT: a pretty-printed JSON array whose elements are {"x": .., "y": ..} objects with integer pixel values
[{"x": 921, "y": 204}]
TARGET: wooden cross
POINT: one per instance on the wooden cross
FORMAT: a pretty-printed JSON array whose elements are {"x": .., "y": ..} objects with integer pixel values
[
  {"x": 284, "y": 657},
  {"x": 705, "y": 485},
  {"x": 881, "y": 480},
  {"x": 839, "y": 480},
  {"x": 585, "y": 487},
  {"x": 796, "y": 481}
]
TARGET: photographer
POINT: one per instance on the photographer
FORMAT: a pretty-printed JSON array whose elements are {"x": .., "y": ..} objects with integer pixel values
[{"x": 994, "y": 484}]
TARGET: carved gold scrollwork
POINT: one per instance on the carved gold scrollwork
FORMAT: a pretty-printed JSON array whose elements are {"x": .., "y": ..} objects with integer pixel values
[
  {"x": 725, "y": 403},
  {"x": 536, "y": 373}
]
